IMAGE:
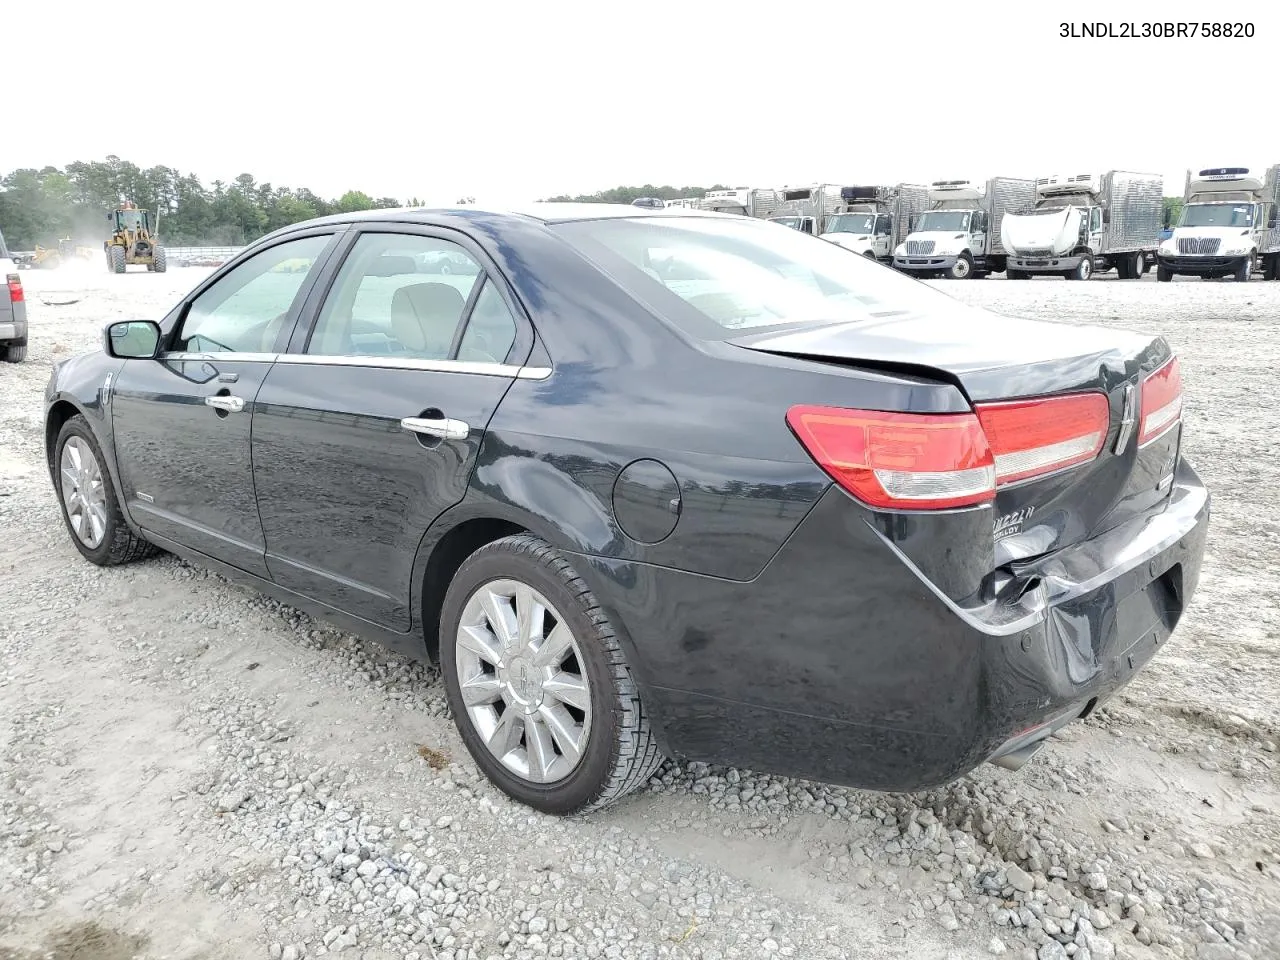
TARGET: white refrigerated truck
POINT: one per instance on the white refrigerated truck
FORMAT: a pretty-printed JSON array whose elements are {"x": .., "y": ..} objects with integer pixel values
[
  {"x": 868, "y": 220},
  {"x": 1227, "y": 227},
  {"x": 1086, "y": 224},
  {"x": 745, "y": 201},
  {"x": 959, "y": 235}
]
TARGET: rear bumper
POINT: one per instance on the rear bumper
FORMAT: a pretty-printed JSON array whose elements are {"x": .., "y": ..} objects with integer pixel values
[
  {"x": 928, "y": 264},
  {"x": 13, "y": 331},
  {"x": 1200, "y": 266},
  {"x": 842, "y": 663}
]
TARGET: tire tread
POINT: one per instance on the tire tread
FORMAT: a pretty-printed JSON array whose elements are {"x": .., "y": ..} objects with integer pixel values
[{"x": 638, "y": 756}]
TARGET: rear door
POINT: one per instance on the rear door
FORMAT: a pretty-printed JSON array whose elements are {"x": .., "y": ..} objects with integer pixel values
[
  {"x": 182, "y": 421},
  {"x": 368, "y": 428}
]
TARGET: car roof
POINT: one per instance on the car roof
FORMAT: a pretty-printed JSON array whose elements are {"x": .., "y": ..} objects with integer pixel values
[{"x": 546, "y": 212}]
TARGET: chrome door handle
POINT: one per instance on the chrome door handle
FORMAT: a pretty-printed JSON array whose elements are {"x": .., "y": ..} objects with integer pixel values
[
  {"x": 444, "y": 429},
  {"x": 229, "y": 404}
]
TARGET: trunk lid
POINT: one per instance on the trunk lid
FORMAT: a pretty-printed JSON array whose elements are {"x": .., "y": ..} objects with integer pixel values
[{"x": 993, "y": 358}]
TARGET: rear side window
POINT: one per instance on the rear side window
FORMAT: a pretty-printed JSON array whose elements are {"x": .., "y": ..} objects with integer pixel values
[{"x": 397, "y": 295}]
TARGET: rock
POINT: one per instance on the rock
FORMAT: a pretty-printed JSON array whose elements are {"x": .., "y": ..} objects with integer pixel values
[
  {"x": 1020, "y": 880},
  {"x": 1052, "y": 950},
  {"x": 538, "y": 925},
  {"x": 1215, "y": 951},
  {"x": 1201, "y": 850},
  {"x": 996, "y": 947}
]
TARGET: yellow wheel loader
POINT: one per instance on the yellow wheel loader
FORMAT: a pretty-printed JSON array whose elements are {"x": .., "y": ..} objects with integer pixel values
[
  {"x": 133, "y": 241},
  {"x": 50, "y": 258}
]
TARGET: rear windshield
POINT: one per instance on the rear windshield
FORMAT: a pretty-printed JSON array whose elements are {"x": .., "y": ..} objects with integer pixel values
[{"x": 738, "y": 273}]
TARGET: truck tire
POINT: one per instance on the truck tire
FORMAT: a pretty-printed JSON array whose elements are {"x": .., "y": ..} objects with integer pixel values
[
  {"x": 1124, "y": 268},
  {"x": 117, "y": 259},
  {"x": 962, "y": 269},
  {"x": 1012, "y": 274},
  {"x": 1271, "y": 269},
  {"x": 161, "y": 263},
  {"x": 1163, "y": 274},
  {"x": 1083, "y": 270},
  {"x": 1131, "y": 268},
  {"x": 13, "y": 352},
  {"x": 1244, "y": 272}
]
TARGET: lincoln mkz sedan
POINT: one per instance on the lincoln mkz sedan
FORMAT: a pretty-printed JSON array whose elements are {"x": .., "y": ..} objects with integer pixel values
[{"x": 652, "y": 483}]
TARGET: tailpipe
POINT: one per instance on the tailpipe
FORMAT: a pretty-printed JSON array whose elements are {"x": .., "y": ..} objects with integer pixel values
[{"x": 1017, "y": 759}]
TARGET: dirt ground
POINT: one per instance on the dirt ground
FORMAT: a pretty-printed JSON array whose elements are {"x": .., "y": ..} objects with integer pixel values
[{"x": 190, "y": 771}]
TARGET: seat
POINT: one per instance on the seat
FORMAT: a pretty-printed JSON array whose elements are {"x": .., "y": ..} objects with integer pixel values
[{"x": 424, "y": 318}]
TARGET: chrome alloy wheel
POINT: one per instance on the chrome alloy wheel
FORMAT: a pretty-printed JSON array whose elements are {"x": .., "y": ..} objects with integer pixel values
[
  {"x": 523, "y": 681},
  {"x": 84, "y": 492}
]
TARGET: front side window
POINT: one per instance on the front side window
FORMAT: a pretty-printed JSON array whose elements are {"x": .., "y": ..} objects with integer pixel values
[
  {"x": 743, "y": 273},
  {"x": 245, "y": 310},
  {"x": 397, "y": 295}
]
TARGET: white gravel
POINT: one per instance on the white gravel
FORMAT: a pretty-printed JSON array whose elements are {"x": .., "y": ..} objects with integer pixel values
[{"x": 188, "y": 770}]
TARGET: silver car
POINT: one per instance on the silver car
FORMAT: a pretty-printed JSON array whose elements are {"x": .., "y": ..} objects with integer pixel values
[{"x": 13, "y": 310}]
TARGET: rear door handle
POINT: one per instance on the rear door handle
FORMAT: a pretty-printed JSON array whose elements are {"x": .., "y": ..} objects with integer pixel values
[
  {"x": 444, "y": 429},
  {"x": 229, "y": 404}
]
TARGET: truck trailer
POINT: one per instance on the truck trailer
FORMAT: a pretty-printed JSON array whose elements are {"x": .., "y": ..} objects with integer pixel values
[
  {"x": 745, "y": 201},
  {"x": 1227, "y": 228},
  {"x": 959, "y": 235},
  {"x": 1086, "y": 224}
]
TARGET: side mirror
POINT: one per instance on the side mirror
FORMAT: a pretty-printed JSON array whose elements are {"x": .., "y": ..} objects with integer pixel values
[
  {"x": 1168, "y": 217},
  {"x": 132, "y": 340}
]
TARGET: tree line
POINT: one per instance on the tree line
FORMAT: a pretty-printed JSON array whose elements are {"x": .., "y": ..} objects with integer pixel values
[{"x": 42, "y": 206}]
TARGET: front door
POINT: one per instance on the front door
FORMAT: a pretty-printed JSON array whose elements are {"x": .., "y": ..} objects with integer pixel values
[
  {"x": 369, "y": 428},
  {"x": 182, "y": 421},
  {"x": 882, "y": 245}
]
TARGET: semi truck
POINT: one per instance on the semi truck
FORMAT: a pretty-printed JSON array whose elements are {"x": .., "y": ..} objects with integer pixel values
[
  {"x": 959, "y": 235},
  {"x": 1086, "y": 224},
  {"x": 1227, "y": 228}
]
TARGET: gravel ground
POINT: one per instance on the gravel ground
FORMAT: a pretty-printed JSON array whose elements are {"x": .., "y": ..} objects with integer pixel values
[{"x": 189, "y": 770}]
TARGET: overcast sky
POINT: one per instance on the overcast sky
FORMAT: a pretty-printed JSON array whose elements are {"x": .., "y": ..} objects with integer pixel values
[{"x": 514, "y": 101}]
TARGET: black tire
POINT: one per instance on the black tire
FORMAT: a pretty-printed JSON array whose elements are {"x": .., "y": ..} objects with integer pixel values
[
  {"x": 116, "y": 256},
  {"x": 14, "y": 352},
  {"x": 1244, "y": 272},
  {"x": 1163, "y": 274},
  {"x": 1271, "y": 267},
  {"x": 621, "y": 752},
  {"x": 1124, "y": 268},
  {"x": 119, "y": 544},
  {"x": 1015, "y": 275},
  {"x": 962, "y": 269},
  {"x": 1083, "y": 270},
  {"x": 161, "y": 260}
]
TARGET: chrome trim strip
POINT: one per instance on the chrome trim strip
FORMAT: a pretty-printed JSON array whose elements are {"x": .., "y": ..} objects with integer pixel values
[
  {"x": 385, "y": 363},
  {"x": 431, "y": 366},
  {"x": 228, "y": 356}
]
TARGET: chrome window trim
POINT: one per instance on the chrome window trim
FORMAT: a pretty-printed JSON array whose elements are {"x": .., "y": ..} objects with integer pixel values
[{"x": 385, "y": 363}]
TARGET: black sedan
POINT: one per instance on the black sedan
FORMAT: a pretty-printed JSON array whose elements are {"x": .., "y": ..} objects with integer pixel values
[{"x": 655, "y": 483}]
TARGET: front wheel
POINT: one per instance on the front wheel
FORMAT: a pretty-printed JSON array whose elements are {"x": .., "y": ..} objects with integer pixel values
[
  {"x": 116, "y": 258},
  {"x": 1163, "y": 274},
  {"x": 161, "y": 260},
  {"x": 1083, "y": 270},
  {"x": 1244, "y": 272},
  {"x": 962, "y": 269},
  {"x": 89, "y": 505},
  {"x": 538, "y": 684}
]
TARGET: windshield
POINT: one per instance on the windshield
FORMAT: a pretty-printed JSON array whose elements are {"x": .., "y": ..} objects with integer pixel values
[
  {"x": 130, "y": 219},
  {"x": 1217, "y": 215},
  {"x": 713, "y": 276},
  {"x": 851, "y": 223},
  {"x": 944, "y": 221}
]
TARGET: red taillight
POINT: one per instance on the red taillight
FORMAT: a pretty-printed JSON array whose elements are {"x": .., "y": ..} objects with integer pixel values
[
  {"x": 1161, "y": 402},
  {"x": 1032, "y": 438},
  {"x": 15, "y": 288},
  {"x": 900, "y": 461}
]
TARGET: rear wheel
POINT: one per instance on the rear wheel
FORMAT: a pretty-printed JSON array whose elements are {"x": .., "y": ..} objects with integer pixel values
[
  {"x": 161, "y": 262},
  {"x": 116, "y": 256},
  {"x": 538, "y": 683},
  {"x": 1271, "y": 269},
  {"x": 14, "y": 352},
  {"x": 89, "y": 505},
  {"x": 1124, "y": 268}
]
